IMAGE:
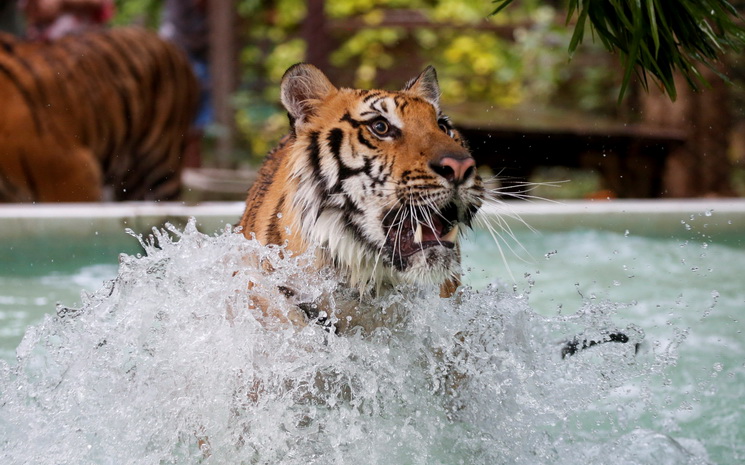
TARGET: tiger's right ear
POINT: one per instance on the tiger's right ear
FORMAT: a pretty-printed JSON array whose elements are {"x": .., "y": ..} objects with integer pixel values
[{"x": 303, "y": 87}]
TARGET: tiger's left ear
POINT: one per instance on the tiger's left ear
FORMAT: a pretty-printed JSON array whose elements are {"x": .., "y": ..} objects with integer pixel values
[
  {"x": 303, "y": 87},
  {"x": 425, "y": 86}
]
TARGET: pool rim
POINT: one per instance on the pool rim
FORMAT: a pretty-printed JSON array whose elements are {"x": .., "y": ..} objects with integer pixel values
[{"x": 645, "y": 217}]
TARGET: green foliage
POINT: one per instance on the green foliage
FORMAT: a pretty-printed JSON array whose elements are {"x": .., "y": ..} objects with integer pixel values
[
  {"x": 142, "y": 12},
  {"x": 473, "y": 63},
  {"x": 270, "y": 47},
  {"x": 657, "y": 36}
]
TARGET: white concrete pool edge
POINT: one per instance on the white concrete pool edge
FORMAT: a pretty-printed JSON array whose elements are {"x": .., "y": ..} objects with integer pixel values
[
  {"x": 644, "y": 217},
  {"x": 657, "y": 217}
]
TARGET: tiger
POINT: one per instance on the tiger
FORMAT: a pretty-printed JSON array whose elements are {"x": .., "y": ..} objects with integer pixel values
[
  {"x": 379, "y": 182},
  {"x": 93, "y": 116}
]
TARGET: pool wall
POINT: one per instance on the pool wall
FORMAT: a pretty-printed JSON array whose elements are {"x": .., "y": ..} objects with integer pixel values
[{"x": 714, "y": 217}]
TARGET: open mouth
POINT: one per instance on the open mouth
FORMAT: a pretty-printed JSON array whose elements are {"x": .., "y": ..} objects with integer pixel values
[{"x": 407, "y": 236}]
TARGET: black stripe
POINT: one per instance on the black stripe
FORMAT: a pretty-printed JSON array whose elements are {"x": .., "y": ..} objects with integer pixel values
[
  {"x": 273, "y": 233},
  {"x": 348, "y": 118},
  {"x": 84, "y": 88},
  {"x": 124, "y": 51},
  {"x": 26, "y": 97},
  {"x": 35, "y": 71},
  {"x": 360, "y": 236},
  {"x": 94, "y": 81},
  {"x": 36, "y": 79},
  {"x": 371, "y": 96},
  {"x": 364, "y": 141},
  {"x": 8, "y": 190},
  {"x": 114, "y": 71},
  {"x": 345, "y": 173},
  {"x": 7, "y": 43},
  {"x": 28, "y": 172},
  {"x": 335, "y": 139},
  {"x": 315, "y": 160},
  {"x": 314, "y": 154},
  {"x": 401, "y": 103},
  {"x": 120, "y": 54},
  {"x": 68, "y": 96}
]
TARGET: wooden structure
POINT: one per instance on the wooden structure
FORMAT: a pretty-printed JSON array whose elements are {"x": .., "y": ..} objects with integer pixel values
[
  {"x": 224, "y": 73},
  {"x": 630, "y": 158}
]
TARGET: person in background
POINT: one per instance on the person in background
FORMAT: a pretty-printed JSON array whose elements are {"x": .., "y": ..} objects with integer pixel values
[
  {"x": 185, "y": 24},
  {"x": 52, "y": 19}
]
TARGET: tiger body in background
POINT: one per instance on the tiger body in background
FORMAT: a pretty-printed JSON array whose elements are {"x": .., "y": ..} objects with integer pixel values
[
  {"x": 380, "y": 182},
  {"x": 108, "y": 108}
]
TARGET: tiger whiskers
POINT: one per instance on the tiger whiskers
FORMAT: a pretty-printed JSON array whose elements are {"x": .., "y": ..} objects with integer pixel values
[
  {"x": 520, "y": 190},
  {"x": 495, "y": 212}
]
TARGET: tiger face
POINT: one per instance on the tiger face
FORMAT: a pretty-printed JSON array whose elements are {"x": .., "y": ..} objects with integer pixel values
[{"x": 379, "y": 180}]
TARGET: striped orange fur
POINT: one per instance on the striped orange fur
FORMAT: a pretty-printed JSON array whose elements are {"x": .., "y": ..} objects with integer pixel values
[
  {"x": 108, "y": 108},
  {"x": 378, "y": 180}
]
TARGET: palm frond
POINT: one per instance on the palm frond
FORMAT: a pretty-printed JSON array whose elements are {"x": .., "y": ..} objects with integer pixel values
[{"x": 658, "y": 37}]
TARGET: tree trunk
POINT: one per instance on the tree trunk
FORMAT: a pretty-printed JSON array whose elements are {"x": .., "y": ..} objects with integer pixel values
[
  {"x": 700, "y": 167},
  {"x": 223, "y": 73}
]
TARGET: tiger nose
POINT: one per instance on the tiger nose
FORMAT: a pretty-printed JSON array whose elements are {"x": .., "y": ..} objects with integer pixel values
[{"x": 456, "y": 169}]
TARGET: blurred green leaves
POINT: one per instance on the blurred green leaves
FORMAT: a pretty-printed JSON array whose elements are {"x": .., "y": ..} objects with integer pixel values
[
  {"x": 142, "y": 12},
  {"x": 659, "y": 37}
]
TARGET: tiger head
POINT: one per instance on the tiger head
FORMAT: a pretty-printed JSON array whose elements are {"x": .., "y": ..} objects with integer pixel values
[{"x": 379, "y": 180}]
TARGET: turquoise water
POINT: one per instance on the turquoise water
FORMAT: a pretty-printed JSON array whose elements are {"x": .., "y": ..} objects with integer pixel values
[
  {"x": 691, "y": 289},
  {"x": 152, "y": 360},
  {"x": 36, "y": 275}
]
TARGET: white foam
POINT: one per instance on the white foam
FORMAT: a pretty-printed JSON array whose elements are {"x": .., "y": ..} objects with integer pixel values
[{"x": 168, "y": 353}]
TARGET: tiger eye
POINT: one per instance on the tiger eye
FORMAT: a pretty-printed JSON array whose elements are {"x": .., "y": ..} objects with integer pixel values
[{"x": 380, "y": 127}]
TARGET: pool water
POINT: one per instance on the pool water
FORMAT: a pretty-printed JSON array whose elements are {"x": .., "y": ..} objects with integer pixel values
[
  {"x": 25, "y": 299},
  {"x": 36, "y": 275},
  {"x": 150, "y": 363},
  {"x": 681, "y": 291}
]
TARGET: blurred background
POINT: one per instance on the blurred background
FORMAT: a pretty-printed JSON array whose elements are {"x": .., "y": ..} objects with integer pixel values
[{"x": 529, "y": 111}]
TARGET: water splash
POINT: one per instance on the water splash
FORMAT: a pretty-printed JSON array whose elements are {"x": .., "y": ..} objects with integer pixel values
[{"x": 164, "y": 360}]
